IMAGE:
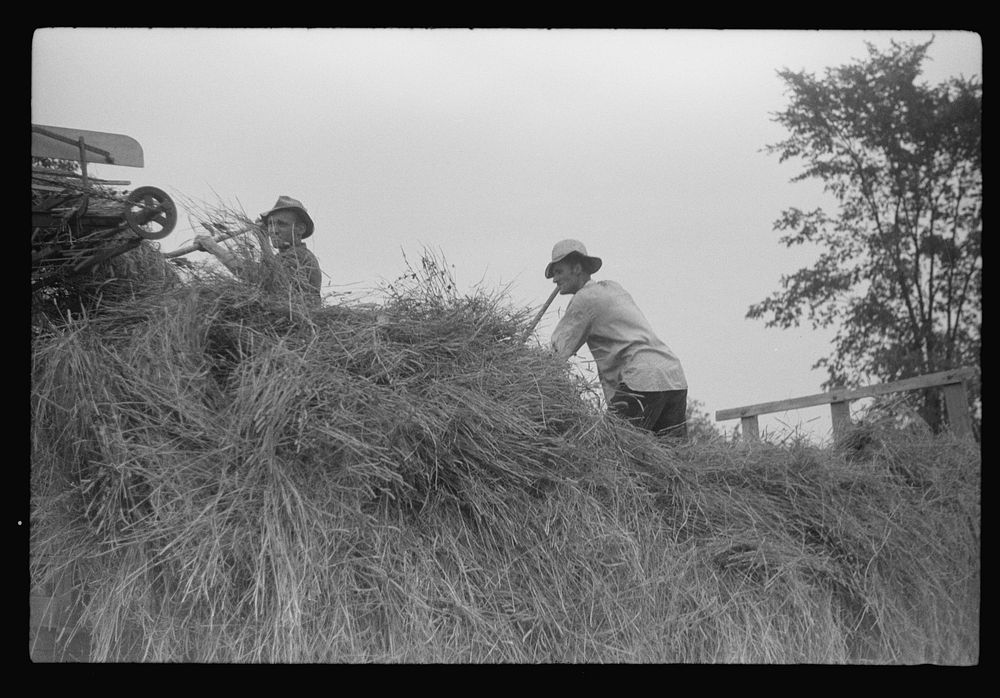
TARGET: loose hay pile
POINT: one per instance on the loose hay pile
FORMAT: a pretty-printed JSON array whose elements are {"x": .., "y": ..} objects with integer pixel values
[{"x": 236, "y": 479}]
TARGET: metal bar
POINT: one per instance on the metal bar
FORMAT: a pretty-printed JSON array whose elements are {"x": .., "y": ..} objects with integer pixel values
[
  {"x": 105, "y": 255},
  {"x": 83, "y": 162}
]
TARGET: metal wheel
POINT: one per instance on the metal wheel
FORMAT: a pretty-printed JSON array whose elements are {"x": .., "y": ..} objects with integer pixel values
[{"x": 150, "y": 213}]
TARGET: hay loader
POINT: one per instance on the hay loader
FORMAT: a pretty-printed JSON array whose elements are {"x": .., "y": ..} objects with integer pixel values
[{"x": 79, "y": 221}]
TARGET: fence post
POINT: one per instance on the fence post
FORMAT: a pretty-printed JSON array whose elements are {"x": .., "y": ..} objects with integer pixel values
[
  {"x": 750, "y": 430},
  {"x": 957, "y": 401},
  {"x": 840, "y": 414}
]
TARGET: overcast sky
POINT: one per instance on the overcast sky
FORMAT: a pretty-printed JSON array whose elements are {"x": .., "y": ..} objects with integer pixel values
[{"x": 489, "y": 146}]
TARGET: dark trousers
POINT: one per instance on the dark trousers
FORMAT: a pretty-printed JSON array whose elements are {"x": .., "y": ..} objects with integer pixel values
[{"x": 662, "y": 412}]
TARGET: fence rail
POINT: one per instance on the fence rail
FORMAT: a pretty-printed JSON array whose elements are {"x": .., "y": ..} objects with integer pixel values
[{"x": 952, "y": 383}]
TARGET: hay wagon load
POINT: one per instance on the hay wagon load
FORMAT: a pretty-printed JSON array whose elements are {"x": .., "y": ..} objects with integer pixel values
[{"x": 221, "y": 476}]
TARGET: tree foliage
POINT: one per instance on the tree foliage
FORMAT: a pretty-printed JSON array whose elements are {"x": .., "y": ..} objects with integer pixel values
[
  {"x": 700, "y": 424},
  {"x": 899, "y": 276}
]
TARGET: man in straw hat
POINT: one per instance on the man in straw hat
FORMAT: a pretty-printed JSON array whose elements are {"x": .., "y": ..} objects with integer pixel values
[
  {"x": 641, "y": 376},
  {"x": 295, "y": 266}
]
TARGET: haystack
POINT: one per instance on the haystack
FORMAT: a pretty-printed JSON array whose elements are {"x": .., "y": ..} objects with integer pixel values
[{"x": 231, "y": 477}]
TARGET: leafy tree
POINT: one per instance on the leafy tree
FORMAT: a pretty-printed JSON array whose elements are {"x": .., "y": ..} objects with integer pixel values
[
  {"x": 899, "y": 276},
  {"x": 701, "y": 425}
]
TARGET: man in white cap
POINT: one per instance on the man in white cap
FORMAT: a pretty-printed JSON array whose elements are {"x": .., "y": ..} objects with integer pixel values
[
  {"x": 642, "y": 378},
  {"x": 294, "y": 267}
]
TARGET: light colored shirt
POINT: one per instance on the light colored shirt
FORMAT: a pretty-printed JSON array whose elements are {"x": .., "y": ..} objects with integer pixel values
[{"x": 604, "y": 316}]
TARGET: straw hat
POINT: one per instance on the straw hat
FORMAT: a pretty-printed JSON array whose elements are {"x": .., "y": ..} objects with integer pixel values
[
  {"x": 564, "y": 248},
  {"x": 287, "y": 202}
]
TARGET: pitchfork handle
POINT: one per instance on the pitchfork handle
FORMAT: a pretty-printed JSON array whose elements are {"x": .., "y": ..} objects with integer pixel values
[{"x": 538, "y": 316}]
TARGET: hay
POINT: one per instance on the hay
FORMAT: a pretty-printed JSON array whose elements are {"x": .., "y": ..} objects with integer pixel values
[{"x": 233, "y": 478}]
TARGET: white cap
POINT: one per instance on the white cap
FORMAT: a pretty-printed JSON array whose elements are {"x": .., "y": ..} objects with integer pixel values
[{"x": 564, "y": 248}]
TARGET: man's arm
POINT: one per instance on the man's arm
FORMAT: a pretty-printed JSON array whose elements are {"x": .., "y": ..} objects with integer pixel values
[
  {"x": 573, "y": 328},
  {"x": 220, "y": 253}
]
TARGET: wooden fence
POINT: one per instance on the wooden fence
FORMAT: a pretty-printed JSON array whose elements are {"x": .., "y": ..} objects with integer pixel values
[{"x": 952, "y": 382}]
